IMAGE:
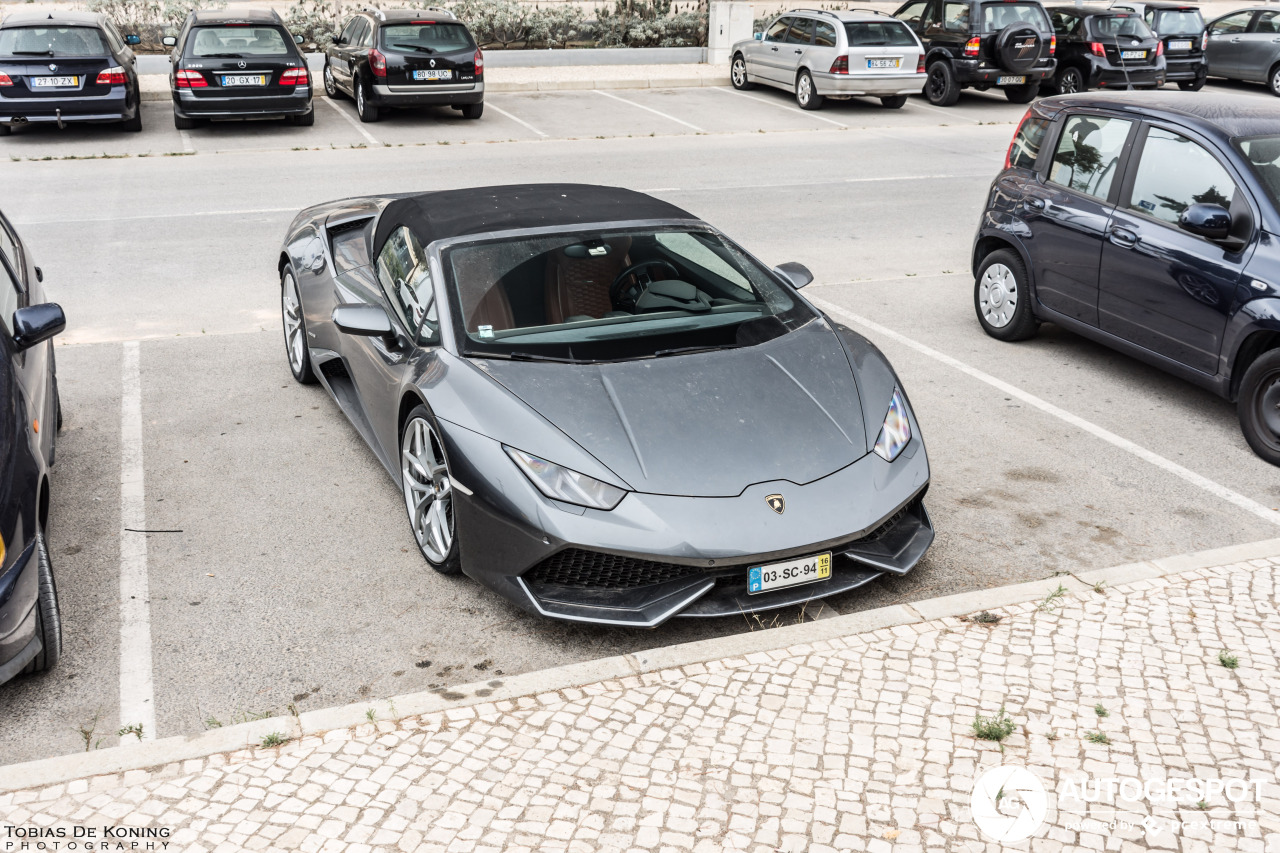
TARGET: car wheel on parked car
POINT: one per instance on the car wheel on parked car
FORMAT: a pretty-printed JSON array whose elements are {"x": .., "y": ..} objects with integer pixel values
[
  {"x": 1259, "y": 406},
  {"x": 1024, "y": 94},
  {"x": 183, "y": 123},
  {"x": 304, "y": 120},
  {"x": 48, "y": 617},
  {"x": 893, "y": 102},
  {"x": 1273, "y": 80},
  {"x": 473, "y": 110},
  {"x": 368, "y": 111},
  {"x": 428, "y": 491},
  {"x": 940, "y": 86},
  {"x": 738, "y": 74},
  {"x": 1070, "y": 81},
  {"x": 806, "y": 94},
  {"x": 330, "y": 86},
  {"x": 1002, "y": 298},
  {"x": 1192, "y": 85},
  {"x": 133, "y": 125},
  {"x": 295, "y": 329}
]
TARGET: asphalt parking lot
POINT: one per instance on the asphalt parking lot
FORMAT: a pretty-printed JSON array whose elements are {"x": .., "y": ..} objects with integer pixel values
[{"x": 285, "y": 573}]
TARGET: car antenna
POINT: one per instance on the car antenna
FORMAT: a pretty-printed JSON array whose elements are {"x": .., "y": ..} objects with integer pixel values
[{"x": 1115, "y": 37}]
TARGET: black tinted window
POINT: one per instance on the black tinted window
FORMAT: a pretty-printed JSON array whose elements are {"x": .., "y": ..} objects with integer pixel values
[
  {"x": 1110, "y": 26},
  {"x": 52, "y": 41},
  {"x": 239, "y": 41},
  {"x": 427, "y": 37},
  {"x": 801, "y": 31},
  {"x": 1026, "y": 144},
  {"x": 1174, "y": 174},
  {"x": 1088, "y": 154},
  {"x": 874, "y": 33},
  {"x": 825, "y": 35},
  {"x": 997, "y": 16},
  {"x": 778, "y": 31}
]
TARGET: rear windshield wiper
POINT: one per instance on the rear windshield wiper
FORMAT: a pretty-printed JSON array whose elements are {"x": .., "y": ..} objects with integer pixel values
[
  {"x": 662, "y": 353},
  {"x": 422, "y": 48},
  {"x": 220, "y": 56},
  {"x": 48, "y": 52}
]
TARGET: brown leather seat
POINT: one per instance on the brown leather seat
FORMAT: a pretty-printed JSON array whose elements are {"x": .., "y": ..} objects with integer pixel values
[
  {"x": 493, "y": 309},
  {"x": 579, "y": 287},
  {"x": 480, "y": 273}
]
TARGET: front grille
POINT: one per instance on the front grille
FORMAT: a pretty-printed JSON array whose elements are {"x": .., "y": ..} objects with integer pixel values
[{"x": 593, "y": 570}]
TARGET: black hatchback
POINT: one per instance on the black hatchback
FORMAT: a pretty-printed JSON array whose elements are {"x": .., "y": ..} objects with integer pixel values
[
  {"x": 1151, "y": 224},
  {"x": 240, "y": 64},
  {"x": 1100, "y": 48},
  {"x": 406, "y": 58},
  {"x": 1181, "y": 28},
  {"x": 30, "y": 416},
  {"x": 66, "y": 67}
]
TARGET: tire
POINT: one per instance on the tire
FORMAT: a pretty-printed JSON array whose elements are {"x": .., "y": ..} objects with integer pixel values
[
  {"x": 893, "y": 102},
  {"x": 1024, "y": 94},
  {"x": 5, "y": 130},
  {"x": 1273, "y": 80},
  {"x": 330, "y": 85},
  {"x": 1192, "y": 85},
  {"x": 1002, "y": 282},
  {"x": 367, "y": 111},
  {"x": 806, "y": 96},
  {"x": 1070, "y": 82},
  {"x": 738, "y": 74},
  {"x": 940, "y": 85},
  {"x": 304, "y": 121},
  {"x": 1259, "y": 406},
  {"x": 473, "y": 110},
  {"x": 133, "y": 125},
  {"x": 294, "y": 323},
  {"x": 428, "y": 491},
  {"x": 48, "y": 616},
  {"x": 184, "y": 123}
]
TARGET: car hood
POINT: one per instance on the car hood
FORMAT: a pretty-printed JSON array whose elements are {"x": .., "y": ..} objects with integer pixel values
[{"x": 706, "y": 424}]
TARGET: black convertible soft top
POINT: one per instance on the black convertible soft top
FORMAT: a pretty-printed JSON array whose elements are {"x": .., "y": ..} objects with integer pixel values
[{"x": 445, "y": 214}]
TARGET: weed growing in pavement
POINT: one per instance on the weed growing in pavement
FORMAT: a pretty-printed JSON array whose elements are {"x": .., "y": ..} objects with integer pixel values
[
  {"x": 1051, "y": 736},
  {"x": 984, "y": 618},
  {"x": 1101, "y": 711},
  {"x": 370, "y": 715},
  {"x": 134, "y": 729},
  {"x": 86, "y": 732},
  {"x": 1053, "y": 600},
  {"x": 1202, "y": 805},
  {"x": 995, "y": 728},
  {"x": 392, "y": 707},
  {"x": 1100, "y": 587},
  {"x": 1099, "y": 737},
  {"x": 212, "y": 722},
  {"x": 274, "y": 739},
  {"x": 1228, "y": 660}
]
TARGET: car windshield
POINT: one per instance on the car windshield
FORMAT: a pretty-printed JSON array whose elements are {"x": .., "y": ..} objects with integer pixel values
[
  {"x": 52, "y": 41},
  {"x": 1110, "y": 26},
  {"x": 878, "y": 33},
  {"x": 427, "y": 37},
  {"x": 997, "y": 16},
  {"x": 1263, "y": 155},
  {"x": 239, "y": 41},
  {"x": 614, "y": 295},
  {"x": 1179, "y": 22}
]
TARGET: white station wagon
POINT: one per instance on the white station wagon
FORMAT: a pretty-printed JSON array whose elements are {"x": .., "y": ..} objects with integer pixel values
[{"x": 820, "y": 55}]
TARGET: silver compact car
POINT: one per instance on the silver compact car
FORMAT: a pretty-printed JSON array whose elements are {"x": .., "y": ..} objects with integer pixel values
[
  {"x": 1245, "y": 45},
  {"x": 820, "y": 55}
]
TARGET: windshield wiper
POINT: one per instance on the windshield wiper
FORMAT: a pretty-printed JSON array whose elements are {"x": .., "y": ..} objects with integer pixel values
[
  {"x": 422, "y": 48},
  {"x": 47, "y": 52},
  {"x": 663, "y": 353},
  {"x": 221, "y": 56}
]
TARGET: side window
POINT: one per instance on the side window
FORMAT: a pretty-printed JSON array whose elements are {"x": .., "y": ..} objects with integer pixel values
[
  {"x": 1175, "y": 173},
  {"x": 8, "y": 247},
  {"x": 1026, "y": 145},
  {"x": 778, "y": 32},
  {"x": 405, "y": 274},
  {"x": 366, "y": 35},
  {"x": 113, "y": 37},
  {"x": 349, "y": 31},
  {"x": 801, "y": 31},
  {"x": 1231, "y": 24},
  {"x": 912, "y": 15},
  {"x": 8, "y": 299},
  {"x": 1065, "y": 23},
  {"x": 1267, "y": 22},
  {"x": 826, "y": 35},
  {"x": 1088, "y": 154},
  {"x": 955, "y": 17}
]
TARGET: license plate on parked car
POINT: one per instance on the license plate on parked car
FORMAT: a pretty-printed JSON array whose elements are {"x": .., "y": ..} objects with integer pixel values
[
  {"x": 892, "y": 62},
  {"x": 54, "y": 82},
  {"x": 433, "y": 75},
  {"x": 795, "y": 572},
  {"x": 1180, "y": 45},
  {"x": 1010, "y": 81},
  {"x": 243, "y": 80},
  {"x": 1133, "y": 54}
]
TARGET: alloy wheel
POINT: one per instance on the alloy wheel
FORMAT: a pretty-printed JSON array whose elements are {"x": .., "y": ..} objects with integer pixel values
[
  {"x": 739, "y": 72},
  {"x": 937, "y": 85},
  {"x": 1070, "y": 82},
  {"x": 1275, "y": 82},
  {"x": 804, "y": 89},
  {"x": 330, "y": 88},
  {"x": 291, "y": 312},
  {"x": 998, "y": 295},
  {"x": 359, "y": 98},
  {"x": 428, "y": 489}
]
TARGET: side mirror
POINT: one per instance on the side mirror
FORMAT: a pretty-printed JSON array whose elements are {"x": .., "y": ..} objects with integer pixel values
[
  {"x": 133, "y": 41},
  {"x": 797, "y": 274},
  {"x": 1211, "y": 221},
  {"x": 169, "y": 41},
  {"x": 297, "y": 39},
  {"x": 339, "y": 40},
  {"x": 759, "y": 36},
  {"x": 37, "y": 323},
  {"x": 368, "y": 321}
]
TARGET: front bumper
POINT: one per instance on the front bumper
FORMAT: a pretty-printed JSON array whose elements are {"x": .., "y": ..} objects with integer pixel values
[
  {"x": 979, "y": 72},
  {"x": 115, "y": 106},
  {"x": 420, "y": 96},
  {"x": 19, "y": 592},
  {"x": 696, "y": 551},
  {"x": 189, "y": 105},
  {"x": 879, "y": 85}
]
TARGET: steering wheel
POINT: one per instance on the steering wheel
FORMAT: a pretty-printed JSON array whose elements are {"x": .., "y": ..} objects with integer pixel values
[{"x": 642, "y": 281}]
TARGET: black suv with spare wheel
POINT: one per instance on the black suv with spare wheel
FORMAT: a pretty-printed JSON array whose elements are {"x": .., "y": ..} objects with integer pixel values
[
  {"x": 238, "y": 64},
  {"x": 981, "y": 44},
  {"x": 406, "y": 58}
]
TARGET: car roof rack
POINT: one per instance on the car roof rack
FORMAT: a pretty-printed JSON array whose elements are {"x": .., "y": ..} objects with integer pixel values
[
  {"x": 375, "y": 10},
  {"x": 817, "y": 12},
  {"x": 872, "y": 11}
]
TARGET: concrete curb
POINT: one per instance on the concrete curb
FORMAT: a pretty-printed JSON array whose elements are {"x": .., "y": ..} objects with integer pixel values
[{"x": 172, "y": 751}]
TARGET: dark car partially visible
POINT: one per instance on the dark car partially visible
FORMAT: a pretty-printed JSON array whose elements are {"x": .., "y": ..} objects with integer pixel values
[
  {"x": 1101, "y": 48},
  {"x": 238, "y": 64},
  {"x": 30, "y": 624},
  {"x": 66, "y": 67}
]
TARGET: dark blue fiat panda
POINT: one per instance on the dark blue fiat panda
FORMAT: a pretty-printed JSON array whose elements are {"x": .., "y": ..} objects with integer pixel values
[{"x": 1151, "y": 224}]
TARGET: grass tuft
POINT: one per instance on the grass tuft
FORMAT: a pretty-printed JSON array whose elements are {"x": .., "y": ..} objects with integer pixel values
[{"x": 995, "y": 728}]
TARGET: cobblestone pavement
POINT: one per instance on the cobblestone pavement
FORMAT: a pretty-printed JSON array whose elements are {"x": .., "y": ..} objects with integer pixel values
[{"x": 861, "y": 743}]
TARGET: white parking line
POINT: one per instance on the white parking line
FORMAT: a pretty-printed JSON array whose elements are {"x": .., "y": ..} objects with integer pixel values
[
  {"x": 137, "y": 690},
  {"x": 187, "y": 147},
  {"x": 787, "y": 107},
  {"x": 1201, "y": 482},
  {"x": 350, "y": 118},
  {"x": 518, "y": 121},
  {"x": 650, "y": 109},
  {"x": 950, "y": 113}
]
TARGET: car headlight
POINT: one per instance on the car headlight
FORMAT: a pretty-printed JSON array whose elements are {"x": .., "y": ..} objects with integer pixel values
[
  {"x": 560, "y": 483},
  {"x": 895, "y": 434}
]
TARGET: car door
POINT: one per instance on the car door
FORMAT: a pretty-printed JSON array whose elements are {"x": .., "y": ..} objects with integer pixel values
[
  {"x": 1224, "y": 37},
  {"x": 1069, "y": 209},
  {"x": 1256, "y": 50},
  {"x": 32, "y": 366},
  {"x": 799, "y": 41},
  {"x": 346, "y": 51},
  {"x": 1160, "y": 287},
  {"x": 771, "y": 46}
]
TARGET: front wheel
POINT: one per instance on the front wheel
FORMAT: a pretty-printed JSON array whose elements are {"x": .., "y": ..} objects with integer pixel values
[
  {"x": 940, "y": 86},
  {"x": 428, "y": 491},
  {"x": 330, "y": 85},
  {"x": 738, "y": 74},
  {"x": 893, "y": 102},
  {"x": 295, "y": 329},
  {"x": 1070, "y": 82},
  {"x": 1259, "y": 406},
  {"x": 806, "y": 93},
  {"x": 1024, "y": 94},
  {"x": 1002, "y": 297},
  {"x": 48, "y": 616},
  {"x": 368, "y": 111},
  {"x": 473, "y": 110}
]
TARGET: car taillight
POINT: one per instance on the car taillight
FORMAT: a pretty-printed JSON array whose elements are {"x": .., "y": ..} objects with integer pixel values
[
  {"x": 479, "y": 61},
  {"x": 377, "y": 63},
  {"x": 1008, "y": 155},
  {"x": 4, "y": 79},
  {"x": 1204, "y": 41},
  {"x": 111, "y": 77},
  {"x": 185, "y": 79},
  {"x": 973, "y": 46},
  {"x": 295, "y": 77},
  {"x": 841, "y": 65},
  {"x": 1097, "y": 48},
  {"x": 1159, "y": 48},
  {"x": 1053, "y": 44},
  {"x": 920, "y": 64}
]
